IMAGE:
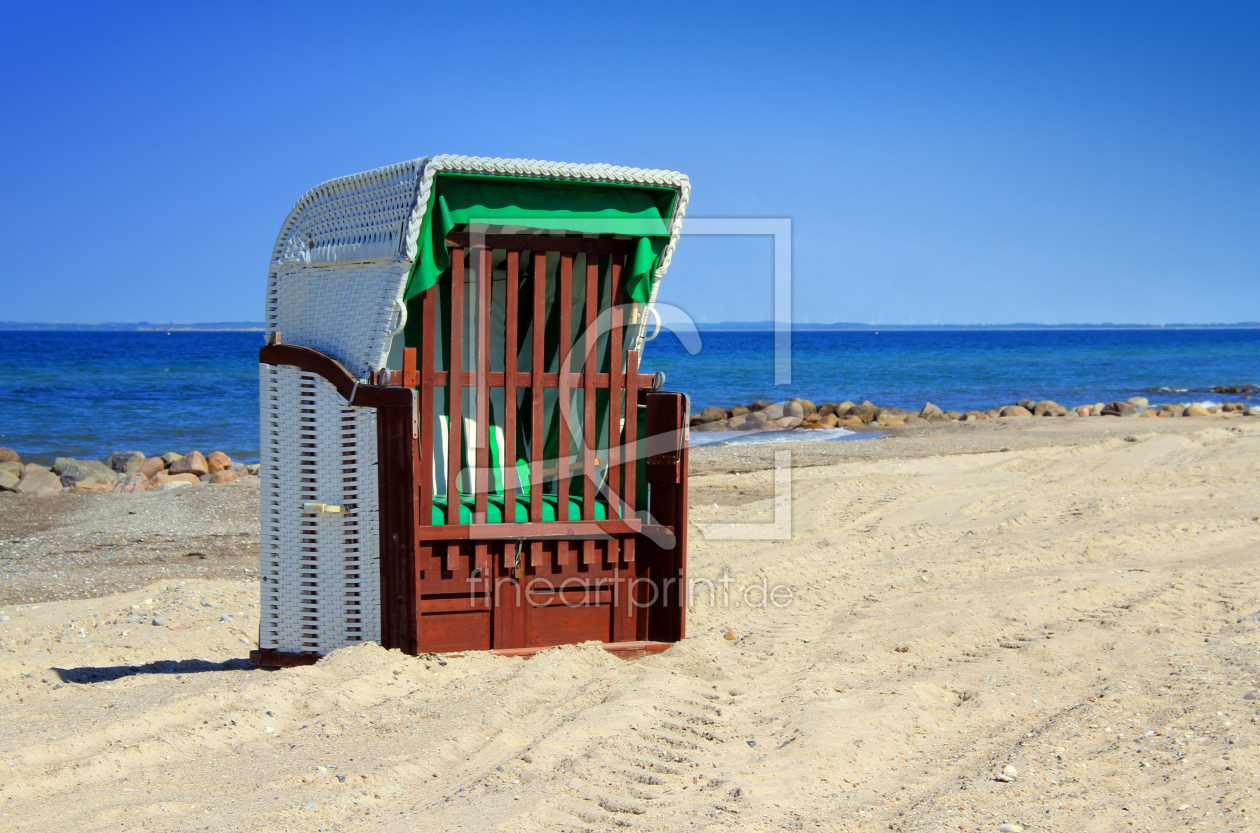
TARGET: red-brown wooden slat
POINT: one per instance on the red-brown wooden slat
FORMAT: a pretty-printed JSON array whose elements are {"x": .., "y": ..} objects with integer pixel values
[
  {"x": 481, "y": 460},
  {"x": 565, "y": 296},
  {"x": 536, "y": 397},
  {"x": 428, "y": 341},
  {"x": 455, "y": 405},
  {"x": 589, "y": 342},
  {"x": 509, "y": 387},
  {"x": 525, "y": 378},
  {"x": 615, "y": 382},
  {"x": 631, "y": 446},
  {"x": 481, "y": 488}
]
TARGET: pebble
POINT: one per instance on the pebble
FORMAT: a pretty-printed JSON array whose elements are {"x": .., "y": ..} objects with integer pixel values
[
  {"x": 207, "y": 603},
  {"x": 1011, "y": 828},
  {"x": 174, "y": 626},
  {"x": 158, "y": 623},
  {"x": 1250, "y": 695},
  {"x": 1008, "y": 774},
  {"x": 730, "y": 636},
  {"x": 752, "y": 743},
  {"x": 225, "y": 618},
  {"x": 499, "y": 767},
  {"x": 341, "y": 778}
]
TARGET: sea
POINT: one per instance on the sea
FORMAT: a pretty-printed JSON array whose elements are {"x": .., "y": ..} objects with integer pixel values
[{"x": 86, "y": 394}]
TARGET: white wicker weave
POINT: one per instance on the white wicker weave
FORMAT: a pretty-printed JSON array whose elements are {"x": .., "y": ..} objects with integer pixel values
[
  {"x": 337, "y": 274},
  {"x": 320, "y": 576}
]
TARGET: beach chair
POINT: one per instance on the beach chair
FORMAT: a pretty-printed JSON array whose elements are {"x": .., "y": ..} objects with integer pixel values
[{"x": 460, "y": 450}]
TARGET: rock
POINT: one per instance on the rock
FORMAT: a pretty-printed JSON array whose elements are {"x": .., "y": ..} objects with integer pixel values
[
  {"x": 1231, "y": 407},
  {"x": 1140, "y": 402},
  {"x": 168, "y": 459},
  {"x": 793, "y": 408},
  {"x": 224, "y": 476},
  {"x": 705, "y": 427},
  {"x": 730, "y": 636},
  {"x": 171, "y": 485},
  {"x": 173, "y": 626},
  {"x": 163, "y": 479},
  {"x": 739, "y": 410},
  {"x": 1011, "y": 828},
  {"x": 849, "y": 422},
  {"x": 1250, "y": 695},
  {"x": 772, "y": 411},
  {"x": 8, "y": 455},
  {"x": 889, "y": 419},
  {"x": 124, "y": 461},
  {"x": 826, "y": 408},
  {"x": 218, "y": 461},
  {"x": 1027, "y": 404},
  {"x": 1194, "y": 409},
  {"x": 710, "y": 414},
  {"x": 152, "y": 466},
  {"x": 784, "y": 422},
  {"x": 207, "y": 603},
  {"x": 759, "y": 405},
  {"x": 866, "y": 411},
  {"x": 191, "y": 463},
  {"x": 1047, "y": 407},
  {"x": 993, "y": 413},
  {"x": 8, "y": 480},
  {"x": 1149, "y": 413},
  {"x": 38, "y": 482},
  {"x": 1084, "y": 410},
  {"x": 955, "y": 415},
  {"x": 815, "y": 424},
  {"x": 843, "y": 408},
  {"x": 811, "y": 418},
  {"x": 34, "y": 467},
  {"x": 1098, "y": 407},
  {"x": 1118, "y": 409},
  {"x": 807, "y": 406},
  {"x": 13, "y": 467},
  {"x": 912, "y": 418},
  {"x": 930, "y": 410},
  {"x": 225, "y": 618},
  {"x": 134, "y": 482},
  {"x": 829, "y": 420},
  {"x": 83, "y": 471},
  {"x": 1016, "y": 411},
  {"x": 1008, "y": 773},
  {"x": 158, "y": 623},
  {"x": 90, "y": 487},
  {"x": 1252, "y": 411},
  {"x": 1168, "y": 414},
  {"x": 253, "y": 468}
]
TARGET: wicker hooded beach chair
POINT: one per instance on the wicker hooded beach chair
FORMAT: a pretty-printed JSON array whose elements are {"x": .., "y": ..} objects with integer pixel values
[{"x": 459, "y": 449}]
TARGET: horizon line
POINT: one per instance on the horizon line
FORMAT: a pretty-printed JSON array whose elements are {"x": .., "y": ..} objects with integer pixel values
[{"x": 718, "y": 326}]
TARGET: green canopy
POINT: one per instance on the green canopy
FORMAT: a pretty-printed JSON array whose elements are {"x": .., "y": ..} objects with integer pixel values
[{"x": 457, "y": 199}]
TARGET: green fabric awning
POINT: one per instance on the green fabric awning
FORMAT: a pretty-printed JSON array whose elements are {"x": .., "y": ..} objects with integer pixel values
[{"x": 636, "y": 211}]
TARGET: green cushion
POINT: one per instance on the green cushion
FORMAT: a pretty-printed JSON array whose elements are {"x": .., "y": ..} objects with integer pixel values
[{"x": 495, "y": 503}]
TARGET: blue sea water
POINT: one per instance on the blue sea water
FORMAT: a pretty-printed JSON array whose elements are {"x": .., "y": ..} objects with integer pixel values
[{"x": 85, "y": 394}]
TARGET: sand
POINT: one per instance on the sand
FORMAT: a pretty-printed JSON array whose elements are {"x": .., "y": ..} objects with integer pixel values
[{"x": 1076, "y": 599}]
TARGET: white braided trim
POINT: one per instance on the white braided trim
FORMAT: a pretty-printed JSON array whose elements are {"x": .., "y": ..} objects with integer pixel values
[
  {"x": 550, "y": 170},
  {"x": 358, "y": 218}
]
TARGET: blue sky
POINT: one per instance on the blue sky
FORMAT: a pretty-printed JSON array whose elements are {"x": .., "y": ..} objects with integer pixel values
[{"x": 941, "y": 163}]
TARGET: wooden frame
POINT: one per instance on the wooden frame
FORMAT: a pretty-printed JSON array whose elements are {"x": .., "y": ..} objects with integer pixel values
[{"x": 517, "y": 587}]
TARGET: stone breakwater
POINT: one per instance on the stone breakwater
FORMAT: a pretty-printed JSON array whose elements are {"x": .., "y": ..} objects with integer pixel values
[
  {"x": 804, "y": 414},
  {"x": 123, "y": 471}
]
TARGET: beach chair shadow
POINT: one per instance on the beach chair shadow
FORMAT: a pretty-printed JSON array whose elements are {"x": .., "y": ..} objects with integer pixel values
[{"x": 89, "y": 674}]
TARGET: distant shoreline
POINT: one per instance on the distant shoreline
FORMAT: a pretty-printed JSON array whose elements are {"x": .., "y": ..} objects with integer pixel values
[
  {"x": 142, "y": 327},
  {"x": 721, "y": 326}
]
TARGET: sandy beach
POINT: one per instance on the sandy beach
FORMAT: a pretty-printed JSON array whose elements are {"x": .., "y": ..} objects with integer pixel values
[{"x": 1043, "y": 623}]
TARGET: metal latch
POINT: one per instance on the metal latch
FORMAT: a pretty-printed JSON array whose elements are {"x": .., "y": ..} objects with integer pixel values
[{"x": 319, "y": 508}]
